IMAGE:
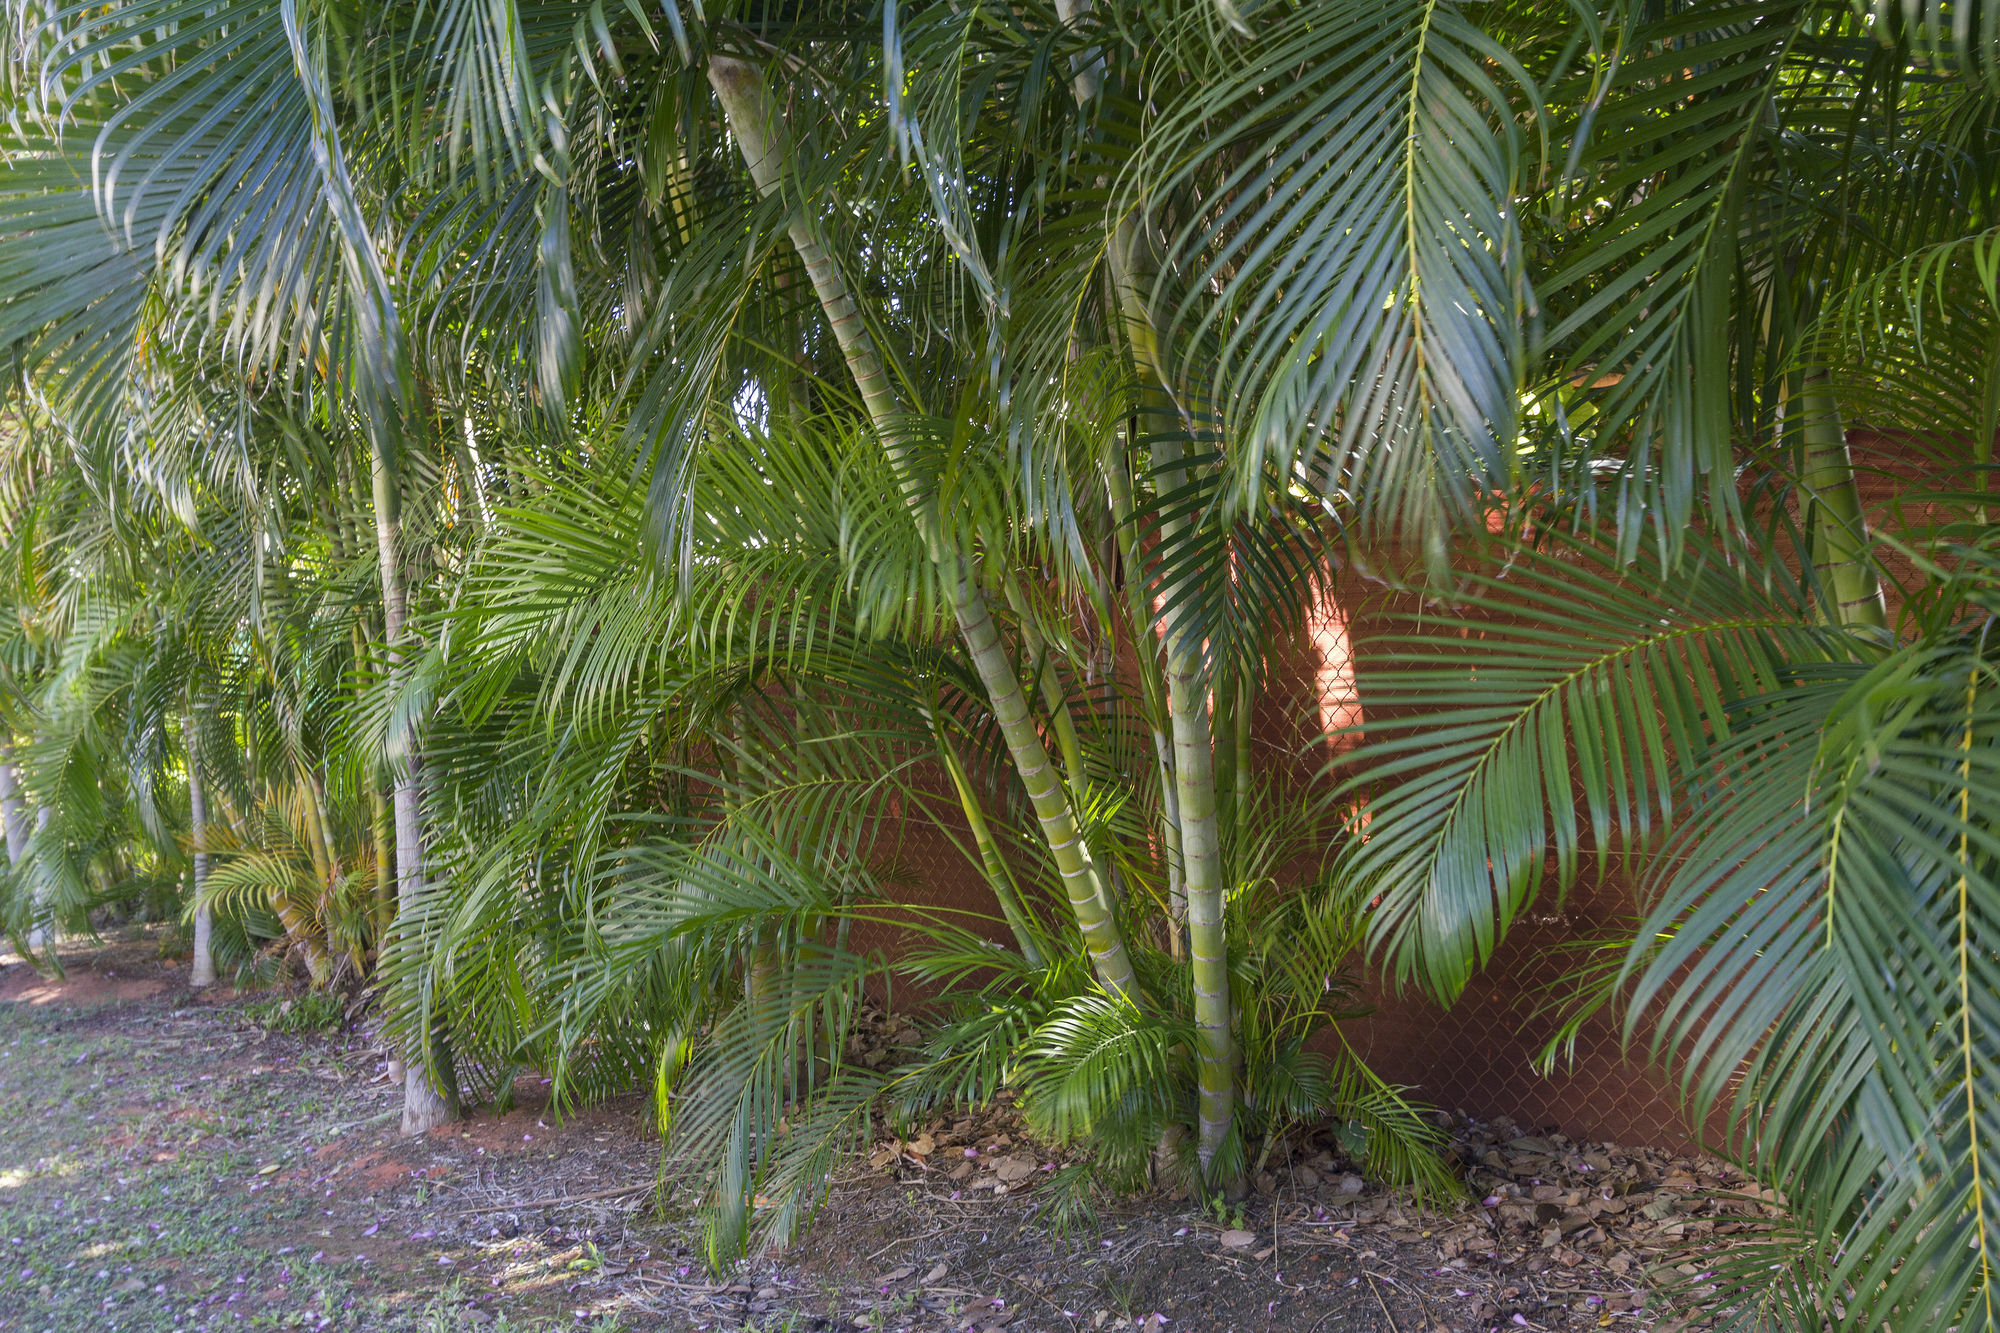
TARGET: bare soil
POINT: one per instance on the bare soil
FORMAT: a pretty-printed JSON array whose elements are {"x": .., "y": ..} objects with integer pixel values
[{"x": 166, "y": 1163}]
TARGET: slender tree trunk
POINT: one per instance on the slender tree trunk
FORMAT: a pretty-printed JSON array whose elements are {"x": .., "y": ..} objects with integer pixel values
[
  {"x": 1194, "y": 747},
  {"x": 1840, "y": 528},
  {"x": 14, "y": 811},
  {"x": 1201, "y": 863},
  {"x": 382, "y": 829},
  {"x": 1187, "y": 705},
  {"x": 204, "y": 918},
  {"x": 1089, "y": 900},
  {"x": 427, "y": 1101},
  {"x": 42, "y": 934},
  {"x": 1222, "y": 726},
  {"x": 312, "y": 811},
  {"x": 998, "y": 877},
  {"x": 1170, "y": 829},
  {"x": 1244, "y": 717},
  {"x": 381, "y": 826},
  {"x": 746, "y": 101},
  {"x": 1152, "y": 690},
  {"x": 1042, "y": 673}
]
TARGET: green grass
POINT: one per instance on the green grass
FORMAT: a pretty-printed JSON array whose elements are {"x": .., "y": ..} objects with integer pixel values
[
  {"x": 313, "y": 1011},
  {"x": 129, "y": 1153}
]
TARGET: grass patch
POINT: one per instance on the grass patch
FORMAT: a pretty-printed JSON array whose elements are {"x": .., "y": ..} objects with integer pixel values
[{"x": 312, "y": 1012}]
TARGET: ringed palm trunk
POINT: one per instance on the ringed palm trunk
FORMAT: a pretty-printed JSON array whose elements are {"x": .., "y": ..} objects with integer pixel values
[
  {"x": 1199, "y": 843},
  {"x": 746, "y": 102},
  {"x": 1840, "y": 528},
  {"x": 204, "y": 918},
  {"x": 1245, "y": 717},
  {"x": 998, "y": 877},
  {"x": 1193, "y": 746},
  {"x": 430, "y": 1090},
  {"x": 1201, "y": 865}
]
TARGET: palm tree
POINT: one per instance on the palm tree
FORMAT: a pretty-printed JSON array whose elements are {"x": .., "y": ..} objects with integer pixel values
[
  {"x": 296, "y": 257},
  {"x": 1100, "y": 328},
  {"x": 1721, "y": 691}
]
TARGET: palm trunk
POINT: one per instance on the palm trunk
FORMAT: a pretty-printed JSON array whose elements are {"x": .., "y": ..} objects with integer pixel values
[
  {"x": 14, "y": 811},
  {"x": 1152, "y": 690},
  {"x": 1088, "y": 899},
  {"x": 1244, "y": 716},
  {"x": 381, "y": 824},
  {"x": 427, "y": 1100},
  {"x": 1194, "y": 749},
  {"x": 998, "y": 877},
  {"x": 1170, "y": 830},
  {"x": 1194, "y": 755},
  {"x": 1222, "y": 726},
  {"x": 312, "y": 812},
  {"x": 381, "y": 827},
  {"x": 1840, "y": 528},
  {"x": 1201, "y": 863},
  {"x": 1041, "y": 671},
  {"x": 746, "y": 101},
  {"x": 42, "y": 933},
  {"x": 204, "y": 918}
]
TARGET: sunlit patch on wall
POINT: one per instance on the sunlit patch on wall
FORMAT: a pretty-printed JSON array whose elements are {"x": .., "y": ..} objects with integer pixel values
[{"x": 1334, "y": 683}]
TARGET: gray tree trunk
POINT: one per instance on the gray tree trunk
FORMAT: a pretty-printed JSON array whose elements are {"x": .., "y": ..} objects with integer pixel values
[
  {"x": 204, "y": 919},
  {"x": 14, "y": 811},
  {"x": 427, "y": 1101},
  {"x": 41, "y": 935}
]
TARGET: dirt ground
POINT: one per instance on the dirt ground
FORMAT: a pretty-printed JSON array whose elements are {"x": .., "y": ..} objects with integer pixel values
[{"x": 167, "y": 1162}]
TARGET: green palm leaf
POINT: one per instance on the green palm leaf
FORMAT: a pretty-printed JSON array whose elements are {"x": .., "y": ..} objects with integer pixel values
[{"x": 1358, "y": 277}]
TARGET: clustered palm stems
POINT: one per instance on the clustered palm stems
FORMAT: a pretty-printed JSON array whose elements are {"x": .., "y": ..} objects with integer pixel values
[{"x": 572, "y": 507}]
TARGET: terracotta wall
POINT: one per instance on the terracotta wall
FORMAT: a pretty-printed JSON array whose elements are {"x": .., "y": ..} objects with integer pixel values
[{"x": 1477, "y": 1057}]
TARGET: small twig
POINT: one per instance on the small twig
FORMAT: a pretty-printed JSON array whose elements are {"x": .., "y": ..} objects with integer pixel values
[
  {"x": 708, "y": 1289},
  {"x": 365, "y": 1121},
  {"x": 552, "y": 1203},
  {"x": 1379, "y": 1301},
  {"x": 1322, "y": 1319},
  {"x": 911, "y": 1241},
  {"x": 1038, "y": 1296}
]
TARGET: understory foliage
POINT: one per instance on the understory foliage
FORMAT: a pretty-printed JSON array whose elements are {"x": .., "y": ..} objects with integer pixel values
[{"x": 634, "y": 532}]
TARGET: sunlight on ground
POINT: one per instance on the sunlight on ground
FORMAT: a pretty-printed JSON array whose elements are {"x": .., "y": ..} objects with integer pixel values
[{"x": 13, "y": 1177}]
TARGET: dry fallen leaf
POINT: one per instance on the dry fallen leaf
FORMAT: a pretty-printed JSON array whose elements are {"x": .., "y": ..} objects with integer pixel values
[
  {"x": 1238, "y": 1240},
  {"x": 1011, "y": 1169}
]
